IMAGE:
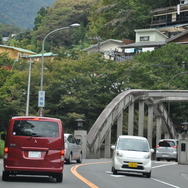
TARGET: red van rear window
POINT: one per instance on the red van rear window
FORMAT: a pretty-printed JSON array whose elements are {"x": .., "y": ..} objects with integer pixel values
[{"x": 35, "y": 128}]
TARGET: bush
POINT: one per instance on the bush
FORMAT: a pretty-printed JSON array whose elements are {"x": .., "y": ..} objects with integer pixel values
[{"x": 1, "y": 148}]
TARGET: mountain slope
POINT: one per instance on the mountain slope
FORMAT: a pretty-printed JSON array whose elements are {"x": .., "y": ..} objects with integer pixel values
[{"x": 21, "y": 13}]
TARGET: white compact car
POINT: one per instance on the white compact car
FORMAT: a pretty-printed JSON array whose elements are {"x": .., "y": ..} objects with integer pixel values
[
  {"x": 73, "y": 149},
  {"x": 132, "y": 154}
]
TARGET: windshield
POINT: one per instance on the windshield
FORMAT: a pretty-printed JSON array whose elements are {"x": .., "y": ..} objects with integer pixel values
[
  {"x": 132, "y": 145},
  {"x": 35, "y": 128}
]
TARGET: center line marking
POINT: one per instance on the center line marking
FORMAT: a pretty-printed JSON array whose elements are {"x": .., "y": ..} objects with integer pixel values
[{"x": 90, "y": 184}]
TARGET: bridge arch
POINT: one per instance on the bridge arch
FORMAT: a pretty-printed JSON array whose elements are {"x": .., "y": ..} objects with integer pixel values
[{"x": 101, "y": 129}]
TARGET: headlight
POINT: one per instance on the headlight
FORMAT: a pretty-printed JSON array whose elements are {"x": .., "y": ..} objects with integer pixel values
[
  {"x": 119, "y": 154},
  {"x": 147, "y": 156}
]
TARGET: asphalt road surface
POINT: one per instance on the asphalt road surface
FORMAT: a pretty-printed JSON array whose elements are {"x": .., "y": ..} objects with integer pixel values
[{"x": 96, "y": 173}]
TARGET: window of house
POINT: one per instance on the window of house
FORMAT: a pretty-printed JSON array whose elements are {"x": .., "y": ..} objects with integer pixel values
[{"x": 144, "y": 38}]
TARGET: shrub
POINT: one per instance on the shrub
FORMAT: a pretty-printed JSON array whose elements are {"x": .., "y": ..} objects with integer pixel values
[{"x": 1, "y": 148}]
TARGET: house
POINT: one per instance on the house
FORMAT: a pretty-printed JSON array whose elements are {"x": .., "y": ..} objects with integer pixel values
[
  {"x": 146, "y": 40},
  {"x": 107, "y": 47},
  {"x": 171, "y": 20},
  {"x": 14, "y": 52}
]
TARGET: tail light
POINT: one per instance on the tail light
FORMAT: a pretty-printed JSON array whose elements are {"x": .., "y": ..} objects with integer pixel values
[
  {"x": 175, "y": 147},
  {"x": 5, "y": 153},
  {"x": 62, "y": 154},
  {"x": 157, "y": 146}
]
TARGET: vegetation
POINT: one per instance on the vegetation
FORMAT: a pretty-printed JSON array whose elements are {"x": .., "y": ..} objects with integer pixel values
[
  {"x": 21, "y": 13},
  {"x": 80, "y": 85}
]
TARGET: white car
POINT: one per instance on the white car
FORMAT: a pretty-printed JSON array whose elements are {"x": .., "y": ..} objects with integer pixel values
[
  {"x": 73, "y": 149},
  {"x": 132, "y": 154}
]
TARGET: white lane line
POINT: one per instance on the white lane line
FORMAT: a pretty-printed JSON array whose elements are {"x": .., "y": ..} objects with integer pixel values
[
  {"x": 165, "y": 183},
  {"x": 163, "y": 165}
]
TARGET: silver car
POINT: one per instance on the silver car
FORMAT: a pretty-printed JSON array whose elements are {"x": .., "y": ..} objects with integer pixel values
[
  {"x": 73, "y": 149},
  {"x": 167, "y": 149}
]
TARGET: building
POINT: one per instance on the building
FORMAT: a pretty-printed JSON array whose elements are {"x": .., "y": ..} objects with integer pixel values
[
  {"x": 107, "y": 47},
  {"x": 171, "y": 20},
  {"x": 146, "y": 40},
  {"x": 14, "y": 52}
]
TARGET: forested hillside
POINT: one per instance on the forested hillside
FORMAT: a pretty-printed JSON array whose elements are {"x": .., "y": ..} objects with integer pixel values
[{"x": 21, "y": 13}]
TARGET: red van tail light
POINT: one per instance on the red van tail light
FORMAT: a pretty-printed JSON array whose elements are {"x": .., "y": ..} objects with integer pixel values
[
  {"x": 175, "y": 147},
  {"x": 62, "y": 154},
  {"x": 6, "y": 150},
  {"x": 5, "y": 153}
]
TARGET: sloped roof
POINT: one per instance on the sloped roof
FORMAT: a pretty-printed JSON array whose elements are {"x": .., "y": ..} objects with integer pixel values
[
  {"x": 49, "y": 54},
  {"x": 119, "y": 42},
  {"x": 18, "y": 49},
  {"x": 177, "y": 36},
  {"x": 144, "y": 44}
]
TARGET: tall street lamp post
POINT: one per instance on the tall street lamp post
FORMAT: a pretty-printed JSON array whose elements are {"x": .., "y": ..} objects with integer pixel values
[
  {"x": 41, "y": 95},
  {"x": 28, "y": 88}
]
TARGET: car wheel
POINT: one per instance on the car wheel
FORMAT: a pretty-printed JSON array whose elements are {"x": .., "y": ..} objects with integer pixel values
[
  {"x": 59, "y": 177},
  {"x": 80, "y": 159},
  {"x": 148, "y": 175},
  {"x": 69, "y": 159},
  {"x": 114, "y": 171},
  {"x": 5, "y": 176}
]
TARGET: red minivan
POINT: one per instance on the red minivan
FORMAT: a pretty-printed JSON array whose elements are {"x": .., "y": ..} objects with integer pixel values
[{"x": 34, "y": 146}]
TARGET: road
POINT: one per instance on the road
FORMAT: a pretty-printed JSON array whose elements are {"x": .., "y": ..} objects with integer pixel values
[{"x": 96, "y": 173}]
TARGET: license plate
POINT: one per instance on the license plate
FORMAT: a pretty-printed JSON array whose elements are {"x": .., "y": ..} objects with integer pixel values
[
  {"x": 133, "y": 165},
  {"x": 34, "y": 154}
]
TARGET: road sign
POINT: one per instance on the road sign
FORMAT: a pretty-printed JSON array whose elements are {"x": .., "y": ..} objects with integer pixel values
[{"x": 41, "y": 99}]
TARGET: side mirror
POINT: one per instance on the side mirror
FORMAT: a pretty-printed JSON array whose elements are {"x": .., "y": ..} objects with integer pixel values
[
  {"x": 113, "y": 147},
  {"x": 152, "y": 150}
]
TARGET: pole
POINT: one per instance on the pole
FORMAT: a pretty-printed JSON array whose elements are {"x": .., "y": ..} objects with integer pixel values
[
  {"x": 42, "y": 61},
  {"x": 28, "y": 89}
]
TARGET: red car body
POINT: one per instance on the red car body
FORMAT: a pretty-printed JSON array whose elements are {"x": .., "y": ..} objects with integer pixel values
[{"x": 34, "y": 146}]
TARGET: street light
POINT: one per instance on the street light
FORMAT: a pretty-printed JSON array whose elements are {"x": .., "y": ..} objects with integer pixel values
[
  {"x": 41, "y": 97},
  {"x": 28, "y": 88}
]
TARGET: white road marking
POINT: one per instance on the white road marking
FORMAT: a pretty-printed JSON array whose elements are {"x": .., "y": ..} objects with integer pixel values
[
  {"x": 165, "y": 183},
  {"x": 163, "y": 165},
  {"x": 169, "y": 164}
]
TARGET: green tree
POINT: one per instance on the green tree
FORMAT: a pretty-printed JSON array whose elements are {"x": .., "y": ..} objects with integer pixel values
[
  {"x": 40, "y": 16},
  {"x": 63, "y": 14}
]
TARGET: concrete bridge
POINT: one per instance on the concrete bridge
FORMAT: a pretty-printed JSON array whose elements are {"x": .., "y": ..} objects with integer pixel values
[{"x": 113, "y": 114}]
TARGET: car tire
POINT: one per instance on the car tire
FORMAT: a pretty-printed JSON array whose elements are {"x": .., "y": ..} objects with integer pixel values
[
  {"x": 80, "y": 159},
  {"x": 114, "y": 171},
  {"x": 69, "y": 159},
  {"x": 5, "y": 176},
  {"x": 148, "y": 175},
  {"x": 158, "y": 159},
  {"x": 59, "y": 177}
]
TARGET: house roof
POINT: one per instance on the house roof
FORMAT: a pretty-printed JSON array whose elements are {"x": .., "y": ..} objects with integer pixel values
[
  {"x": 144, "y": 44},
  {"x": 18, "y": 49},
  {"x": 119, "y": 42},
  {"x": 49, "y": 54},
  {"x": 177, "y": 36}
]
